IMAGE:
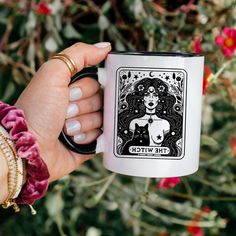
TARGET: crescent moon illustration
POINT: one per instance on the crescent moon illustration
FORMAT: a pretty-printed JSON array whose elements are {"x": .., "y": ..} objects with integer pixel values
[{"x": 150, "y": 74}]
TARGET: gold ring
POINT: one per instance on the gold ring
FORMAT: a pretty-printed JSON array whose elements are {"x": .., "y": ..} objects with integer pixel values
[{"x": 68, "y": 61}]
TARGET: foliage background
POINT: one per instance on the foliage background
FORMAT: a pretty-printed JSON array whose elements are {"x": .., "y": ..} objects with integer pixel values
[{"x": 93, "y": 201}]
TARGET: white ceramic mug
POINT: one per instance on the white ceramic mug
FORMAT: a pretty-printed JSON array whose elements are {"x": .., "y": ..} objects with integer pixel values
[{"x": 152, "y": 113}]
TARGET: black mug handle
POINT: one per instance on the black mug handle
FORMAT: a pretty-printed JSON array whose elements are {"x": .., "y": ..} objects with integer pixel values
[{"x": 67, "y": 140}]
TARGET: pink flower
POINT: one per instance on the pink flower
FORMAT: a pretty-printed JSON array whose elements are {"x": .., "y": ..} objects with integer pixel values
[
  {"x": 43, "y": 9},
  {"x": 227, "y": 41},
  {"x": 165, "y": 183},
  {"x": 196, "y": 45}
]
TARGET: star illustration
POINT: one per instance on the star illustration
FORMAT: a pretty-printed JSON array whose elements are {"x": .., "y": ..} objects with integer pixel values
[
  {"x": 159, "y": 137},
  {"x": 136, "y": 76}
]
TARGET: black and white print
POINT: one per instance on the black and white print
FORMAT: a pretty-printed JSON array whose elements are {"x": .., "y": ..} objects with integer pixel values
[{"x": 150, "y": 113}]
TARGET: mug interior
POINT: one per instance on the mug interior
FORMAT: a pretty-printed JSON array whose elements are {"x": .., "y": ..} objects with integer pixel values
[{"x": 168, "y": 54}]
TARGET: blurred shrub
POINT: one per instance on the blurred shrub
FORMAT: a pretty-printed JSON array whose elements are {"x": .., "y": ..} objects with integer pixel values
[{"x": 92, "y": 201}]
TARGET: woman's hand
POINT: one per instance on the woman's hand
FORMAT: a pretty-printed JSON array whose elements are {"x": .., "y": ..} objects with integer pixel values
[{"x": 48, "y": 101}]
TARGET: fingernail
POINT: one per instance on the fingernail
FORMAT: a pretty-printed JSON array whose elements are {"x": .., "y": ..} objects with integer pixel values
[
  {"x": 75, "y": 94},
  {"x": 72, "y": 110},
  {"x": 72, "y": 126},
  {"x": 79, "y": 137},
  {"x": 102, "y": 44}
]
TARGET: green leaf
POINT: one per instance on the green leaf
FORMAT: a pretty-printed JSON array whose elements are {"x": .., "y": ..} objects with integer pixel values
[
  {"x": 106, "y": 6},
  {"x": 9, "y": 91},
  {"x": 54, "y": 204},
  {"x": 137, "y": 8},
  {"x": 58, "y": 22},
  {"x": 136, "y": 209},
  {"x": 31, "y": 22},
  {"x": 56, "y": 6},
  {"x": 51, "y": 44},
  {"x": 92, "y": 231},
  {"x": 119, "y": 46},
  {"x": 110, "y": 206},
  {"x": 209, "y": 141},
  {"x": 70, "y": 32},
  {"x": 31, "y": 55},
  {"x": 3, "y": 59},
  {"x": 18, "y": 76},
  {"x": 74, "y": 8},
  {"x": 103, "y": 22},
  {"x": 75, "y": 213}
]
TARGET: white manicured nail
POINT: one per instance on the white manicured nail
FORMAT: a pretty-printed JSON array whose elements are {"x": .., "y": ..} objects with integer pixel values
[
  {"x": 72, "y": 110},
  {"x": 102, "y": 44},
  {"x": 75, "y": 94},
  {"x": 72, "y": 126},
  {"x": 79, "y": 137}
]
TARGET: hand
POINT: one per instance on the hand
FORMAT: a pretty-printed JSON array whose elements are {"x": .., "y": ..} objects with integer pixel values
[{"x": 45, "y": 102}]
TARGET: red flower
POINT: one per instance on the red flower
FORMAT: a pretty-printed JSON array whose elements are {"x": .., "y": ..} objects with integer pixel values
[
  {"x": 206, "y": 209},
  {"x": 196, "y": 45},
  {"x": 206, "y": 79},
  {"x": 165, "y": 183},
  {"x": 227, "y": 41},
  {"x": 194, "y": 229},
  {"x": 232, "y": 144},
  {"x": 43, "y": 9}
]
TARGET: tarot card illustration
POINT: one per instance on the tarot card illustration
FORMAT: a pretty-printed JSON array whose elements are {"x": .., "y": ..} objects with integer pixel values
[{"x": 150, "y": 113}]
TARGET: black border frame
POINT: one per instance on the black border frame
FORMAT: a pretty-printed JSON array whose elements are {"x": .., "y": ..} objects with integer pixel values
[{"x": 115, "y": 116}]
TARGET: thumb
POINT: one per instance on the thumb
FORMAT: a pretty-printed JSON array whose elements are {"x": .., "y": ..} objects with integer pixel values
[{"x": 82, "y": 54}]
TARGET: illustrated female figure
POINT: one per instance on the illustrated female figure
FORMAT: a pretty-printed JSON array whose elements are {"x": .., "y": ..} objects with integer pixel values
[
  {"x": 149, "y": 118},
  {"x": 157, "y": 126}
]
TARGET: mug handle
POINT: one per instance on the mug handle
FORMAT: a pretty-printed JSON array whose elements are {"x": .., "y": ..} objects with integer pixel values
[{"x": 67, "y": 140}]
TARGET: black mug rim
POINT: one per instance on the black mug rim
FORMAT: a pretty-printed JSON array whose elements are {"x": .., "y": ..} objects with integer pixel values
[{"x": 170, "y": 54}]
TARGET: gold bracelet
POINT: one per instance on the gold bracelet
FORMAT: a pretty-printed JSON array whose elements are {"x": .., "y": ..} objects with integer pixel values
[
  {"x": 12, "y": 166},
  {"x": 16, "y": 179},
  {"x": 8, "y": 151},
  {"x": 21, "y": 173},
  {"x": 20, "y": 163}
]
